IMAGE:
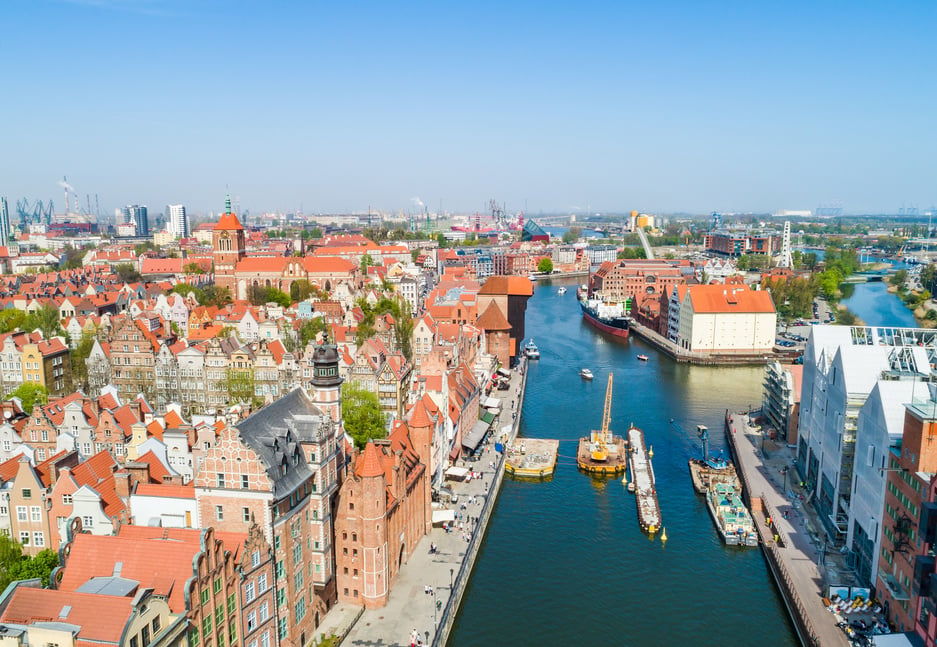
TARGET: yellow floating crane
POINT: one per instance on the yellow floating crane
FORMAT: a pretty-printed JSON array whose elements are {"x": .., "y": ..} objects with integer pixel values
[{"x": 600, "y": 438}]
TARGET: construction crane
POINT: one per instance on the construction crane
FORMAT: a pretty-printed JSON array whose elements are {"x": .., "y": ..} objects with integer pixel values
[
  {"x": 702, "y": 431},
  {"x": 600, "y": 439}
]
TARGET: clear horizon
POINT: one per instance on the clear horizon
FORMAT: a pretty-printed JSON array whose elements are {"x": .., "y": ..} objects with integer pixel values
[{"x": 605, "y": 107}]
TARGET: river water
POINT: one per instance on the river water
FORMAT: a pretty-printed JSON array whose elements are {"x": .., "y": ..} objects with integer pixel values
[
  {"x": 872, "y": 303},
  {"x": 564, "y": 562}
]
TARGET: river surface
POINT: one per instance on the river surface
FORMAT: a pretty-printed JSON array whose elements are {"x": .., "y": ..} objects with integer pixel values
[
  {"x": 872, "y": 303},
  {"x": 564, "y": 562}
]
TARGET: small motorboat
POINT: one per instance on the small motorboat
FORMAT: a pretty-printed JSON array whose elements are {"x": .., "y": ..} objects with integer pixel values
[
  {"x": 643, "y": 358},
  {"x": 561, "y": 291},
  {"x": 531, "y": 351},
  {"x": 586, "y": 374}
]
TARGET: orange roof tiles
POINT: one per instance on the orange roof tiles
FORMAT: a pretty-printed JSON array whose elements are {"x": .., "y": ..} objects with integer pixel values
[
  {"x": 725, "y": 299},
  {"x": 168, "y": 490},
  {"x": 101, "y": 618},
  {"x": 492, "y": 319},
  {"x": 228, "y": 222},
  {"x": 511, "y": 285},
  {"x": 369, "y": 462}
]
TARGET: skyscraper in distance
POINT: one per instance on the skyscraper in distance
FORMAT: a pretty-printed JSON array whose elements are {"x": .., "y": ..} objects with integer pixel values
[
  {"x": 4, "y": 222},
  {"x": 134, "y": 213},
  {"x": 178, "y": 222}
]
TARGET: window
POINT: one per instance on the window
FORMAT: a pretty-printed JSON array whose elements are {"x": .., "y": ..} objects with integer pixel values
[
  {"x": 38, "y": 538},
  {"x": 67, "y": 499},
  {"x": 156, "y": 625},
  {"x": 145, "y": 636},
  {"x": 35, "y": 513},
  {"x": 245, "y": 481},
  {"x": 249, "y": 594},
  {"x": 216, "y": 585},
  {"x": 262, "y": 583},
  {"x": 265, "y": 639},
  {"x": 255, "y": 559},
  {"x": 276, "y": 543},
  {"x": 231, "y": 604},
  {"x": 206, "y": 624},
  {"x": 251, "y": 620},
  {"x": 27, "y": 493},
  {"x": 87, "y": 522},
  {"x": 21, "y": 513},
  {"x": 24, "y": 537},
  {"x": 219, "y": 615},
  {"x": 219, "y": 479},
  {"x": 280, "y": 569},
  {"x": 297, "y": 553},
  {"x": 134, "y": 642},
  {"x": 264, "y": 612},
  {"x": 281, "y": 628},
  {"x": 204, "y": 596},
  {"x": 219, "y": 513},
  {"x": 246, "y": 514},
  {"x": 281, "y": 597},
  {"x": 193, "y": 637}
]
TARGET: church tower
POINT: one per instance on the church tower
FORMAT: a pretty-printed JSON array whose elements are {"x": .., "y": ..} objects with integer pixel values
[{"x": 227, "y": 248}]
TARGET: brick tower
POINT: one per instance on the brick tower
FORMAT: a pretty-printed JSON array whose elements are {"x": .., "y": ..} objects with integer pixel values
[
  {"x": 373, "y": 501},
  {"x": 421, "y": 435},
  {"x": 227, "y": 248},
  {"x": 326, "y": 382}
]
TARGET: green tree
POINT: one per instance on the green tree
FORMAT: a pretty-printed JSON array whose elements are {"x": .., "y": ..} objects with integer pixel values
[
  {"x": 39, "y": 566},
  {"x": 192, "y": 268},
  {"x": 11, "y": 553},
  {"x": 899, "y": 278},
  {"x": 240, "y": 384},
  {"x": 127, "y": 273},
  {"x": 572, "y": 235},
  {"x": 632, "y": 252},
  {"x": 366, "y": 262},
  {"x": 259, "y": 295},
  {"x": 73, "y": 257},
  {"x": 225, "y": 332},
  {"x": 545, "y": 266},
  {"x": 45, "y": 319},
  {"x": 80, "y": 357},
  {"x": 214, "y": 295},
  {"x": 11, "y": 319},
  {"x": 301, "y": 290},
  {"x": 362, "y": 414},
  {"x": 310, "y": 329},
  {"x": 315, "y": 232},
  {"x": 846, "y": 318},
  {"x": 30, "y": 394},
  {"x": 403, "y": 329}
]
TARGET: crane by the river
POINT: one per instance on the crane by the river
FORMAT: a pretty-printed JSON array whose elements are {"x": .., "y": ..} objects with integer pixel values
[{"x": 600, "y": 438}]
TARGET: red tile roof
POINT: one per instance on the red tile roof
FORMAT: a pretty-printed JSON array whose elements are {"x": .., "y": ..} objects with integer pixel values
[
  {"x": 512, "y": 285},
  {"x": 101, "y": 618},
  {"x": 228, "y": 222},
  {"x": 728, "y": 299},
  {"x": 168, "y": 490}
]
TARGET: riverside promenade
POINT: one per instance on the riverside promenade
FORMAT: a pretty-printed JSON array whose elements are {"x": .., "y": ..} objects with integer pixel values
[
  {"x": 426, "y": 593},
  {"x": 799, "y": 558}
]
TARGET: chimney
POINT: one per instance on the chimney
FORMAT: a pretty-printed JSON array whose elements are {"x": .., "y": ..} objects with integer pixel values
[{"x": 122, "y": 484}]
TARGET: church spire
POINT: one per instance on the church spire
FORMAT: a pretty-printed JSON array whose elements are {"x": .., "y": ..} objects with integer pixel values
[{"x": 227, "y": 203}]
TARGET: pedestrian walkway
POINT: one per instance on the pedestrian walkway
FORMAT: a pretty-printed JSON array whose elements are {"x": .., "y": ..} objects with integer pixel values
[
  {"x": 806, "y": 563},
  {"x": 422, "y": 588}
]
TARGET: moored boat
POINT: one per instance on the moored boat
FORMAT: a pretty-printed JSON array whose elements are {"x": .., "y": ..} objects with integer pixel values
[
  {"x": 643, "y": 358},
  {"x": 645, "y": 487},
  {"x": 733, "y": 521},
  {"x": 609, "y": 318},
  {"x": 561, "y": 291},
  {"x": 531, "y": 351},
  {"x": 586, "y": 374}
]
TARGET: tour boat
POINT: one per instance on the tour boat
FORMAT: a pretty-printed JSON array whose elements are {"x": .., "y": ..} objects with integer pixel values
[
  {"x": 561, "y": 291},
  {"x": 586, "y": 374},
  {"x": 643, "y": 358},
  {"x": 531, "y": 351}
]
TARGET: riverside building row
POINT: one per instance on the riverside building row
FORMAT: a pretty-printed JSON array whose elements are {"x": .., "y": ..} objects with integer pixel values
[{"x": 867, "y": 451}]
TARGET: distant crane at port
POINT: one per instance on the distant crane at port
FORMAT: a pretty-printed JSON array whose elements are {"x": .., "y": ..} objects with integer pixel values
[
  {"x": 600, "y": 438},
  {"x": 702, "y": 431}
]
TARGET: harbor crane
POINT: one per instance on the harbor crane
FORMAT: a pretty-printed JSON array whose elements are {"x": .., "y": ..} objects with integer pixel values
[
  {"x": 702, "y": 431},
  {"x": 600, "y": 439}
]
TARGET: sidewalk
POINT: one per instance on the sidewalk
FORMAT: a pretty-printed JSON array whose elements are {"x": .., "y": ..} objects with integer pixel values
[
  {"x": 423, "y": 586},
  {"x": 800, "y": 555}
]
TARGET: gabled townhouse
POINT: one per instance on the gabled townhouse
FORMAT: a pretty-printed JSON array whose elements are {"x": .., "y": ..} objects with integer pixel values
[
  {"x": 133, "y": 358},
  {"x": 49, "y": 364}
]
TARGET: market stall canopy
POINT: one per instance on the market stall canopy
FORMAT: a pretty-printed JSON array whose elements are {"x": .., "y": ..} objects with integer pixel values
[
  {"x": 443, "y": 516},
  {"x": 491, "y": 403},
  {"x": 457, "y": 473},
  {"x": 474, "y": 437}
]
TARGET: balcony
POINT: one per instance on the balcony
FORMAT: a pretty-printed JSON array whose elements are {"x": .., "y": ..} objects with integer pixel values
[{"x": 894, "y": 587}]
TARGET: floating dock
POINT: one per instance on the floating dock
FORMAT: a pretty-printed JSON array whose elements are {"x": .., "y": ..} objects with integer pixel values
[
  {"x": 602, "y": 453},
  {"x": 645, "y": 488},
  {"x": 533, "y": 458}
]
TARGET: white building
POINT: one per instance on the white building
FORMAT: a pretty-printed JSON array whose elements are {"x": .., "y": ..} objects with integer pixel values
[
  {"x": 177, "y": 221},
  {"x": 598, "y": 254},
  {"x": 878, "y": 431},
  {"x": 842, "y": 365},
  {"x": 167, "y": 506},
  {"x": 726, "y": 319}
]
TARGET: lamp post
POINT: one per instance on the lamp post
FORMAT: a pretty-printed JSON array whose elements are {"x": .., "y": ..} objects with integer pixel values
[
  {"x": 451, "y": 571},
  {"x": 784, "y": 489}
]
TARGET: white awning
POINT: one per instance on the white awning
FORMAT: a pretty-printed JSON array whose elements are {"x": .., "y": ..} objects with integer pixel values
[
  {"x": 504, "y": 372},
  {"x": 443, "y": 516},
  {"x": 491, "y": 403},
  {"x": 458, "y": 473}
]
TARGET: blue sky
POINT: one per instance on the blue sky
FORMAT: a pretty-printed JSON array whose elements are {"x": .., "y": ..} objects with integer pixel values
[{"x": 337, "y": 106}]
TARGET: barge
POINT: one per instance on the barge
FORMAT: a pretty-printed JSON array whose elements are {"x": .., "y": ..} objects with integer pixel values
[
  {"x": 602, "y": 453},
  {"x": 645, "y": 487},
  {"x": 732, "y": 518}
]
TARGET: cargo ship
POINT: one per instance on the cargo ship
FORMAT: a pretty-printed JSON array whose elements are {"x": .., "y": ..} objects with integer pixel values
[{"x": 611, "y": 318}]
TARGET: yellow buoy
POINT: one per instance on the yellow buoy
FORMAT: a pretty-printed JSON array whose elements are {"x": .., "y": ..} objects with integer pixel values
[
  {"x": 652, "y": 529},
  {"x": 663, "y": 535},
  {"x": 650, "y": 451}
]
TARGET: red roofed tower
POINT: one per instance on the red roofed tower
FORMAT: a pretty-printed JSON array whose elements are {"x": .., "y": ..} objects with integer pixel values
[{"x": 227, "y": 248}]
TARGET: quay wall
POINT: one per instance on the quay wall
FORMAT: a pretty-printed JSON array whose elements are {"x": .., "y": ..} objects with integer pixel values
[
  {"x": 682, "y": 356},
  {"x": 451, "y": 609}
]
